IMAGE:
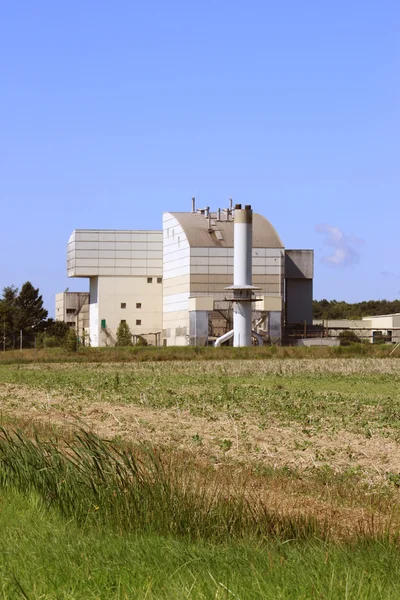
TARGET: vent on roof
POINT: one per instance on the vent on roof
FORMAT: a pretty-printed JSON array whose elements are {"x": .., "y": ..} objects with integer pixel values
[{"x": 218, "y": 235}]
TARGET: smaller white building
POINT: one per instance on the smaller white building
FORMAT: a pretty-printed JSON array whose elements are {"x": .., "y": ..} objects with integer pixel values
[
  {"x": 73, "y": 309},
  {"x": 384, "y": 328},
  {"x": 378, "y": 328}
]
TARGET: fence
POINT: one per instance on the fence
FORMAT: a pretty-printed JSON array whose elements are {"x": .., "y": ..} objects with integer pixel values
[{"x": 342, "y": 334}]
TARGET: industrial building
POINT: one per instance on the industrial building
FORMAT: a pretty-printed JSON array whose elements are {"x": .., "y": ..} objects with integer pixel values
[
  {"x": 73, "y": 309},
  {"x": 374, "y": 329},
  {"x": 170, "y": 285}
]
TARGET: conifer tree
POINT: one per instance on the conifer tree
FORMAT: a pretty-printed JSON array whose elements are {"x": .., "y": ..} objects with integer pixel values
[{"x": 124, "y": 335}]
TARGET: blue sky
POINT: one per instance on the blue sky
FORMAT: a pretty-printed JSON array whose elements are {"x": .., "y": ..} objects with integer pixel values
[{"x": 111, "y": 113}]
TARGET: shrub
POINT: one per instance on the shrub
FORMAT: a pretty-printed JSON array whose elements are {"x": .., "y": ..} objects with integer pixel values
[
  {"x": 348, "y": 337},
  {"x": 71, "y": 341}
]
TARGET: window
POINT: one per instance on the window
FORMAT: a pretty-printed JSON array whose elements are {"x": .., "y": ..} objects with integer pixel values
[
  {"x": 123, "y": 320},
  {"x": 159, "y": 279},
  {"x": 380, "y": 337},
  {"x": 149, "y": 280},
  {"x": 70, "y": 323},
  {"x": 123, "y": 304},
  {"x": 138, "y": 305},
  {"x": 70, "y": 311},
  {"x": 138, "y": 322}
]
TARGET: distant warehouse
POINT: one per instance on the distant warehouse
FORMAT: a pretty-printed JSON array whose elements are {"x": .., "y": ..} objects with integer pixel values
[
  {"x": 169, "y": 285},
  {"x": 374, "y": 329}
]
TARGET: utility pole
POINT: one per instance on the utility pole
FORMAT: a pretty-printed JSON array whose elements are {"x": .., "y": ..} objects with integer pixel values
[{"x": 20, "y": 339}]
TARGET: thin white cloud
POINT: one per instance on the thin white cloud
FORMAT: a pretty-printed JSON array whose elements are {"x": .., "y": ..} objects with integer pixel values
[
  {"x": 387, "y": 274},
  {"x": 343, "y": 253}
]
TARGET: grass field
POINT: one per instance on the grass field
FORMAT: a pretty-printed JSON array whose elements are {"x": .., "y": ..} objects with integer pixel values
[{"x": 285, "y": 474}]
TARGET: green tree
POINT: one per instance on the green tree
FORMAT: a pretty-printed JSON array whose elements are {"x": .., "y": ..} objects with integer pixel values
[
  {"x": 54, "y": 334},
  {"x": 124, "y": 335},
  {"x": 57, "y": 329},
  {"x": 22, "y": 311},
  {"x": 332, "y": 309},
  {"x": 71, "y": 341},
  {"x": 8, "y": 309},
  {"x": 30, "y": 314}
]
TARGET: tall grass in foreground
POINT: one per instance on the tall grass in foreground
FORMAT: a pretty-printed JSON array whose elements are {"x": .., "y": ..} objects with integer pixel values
[
  {"x": 46, "y": 557},
  {"x": 96, "y": 482},
  {"x": 86, "y": 518}
]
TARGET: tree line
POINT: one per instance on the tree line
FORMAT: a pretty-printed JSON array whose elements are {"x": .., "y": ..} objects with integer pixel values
[
  {"x": 333, "y": 309},
  {"x": 23, "y": 317}
]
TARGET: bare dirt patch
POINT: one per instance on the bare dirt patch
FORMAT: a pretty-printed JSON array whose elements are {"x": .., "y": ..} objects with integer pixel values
[{"x": 220, "y": 438}]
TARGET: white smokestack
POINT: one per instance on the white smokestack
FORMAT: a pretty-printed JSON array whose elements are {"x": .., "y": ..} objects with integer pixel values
[
  {"x": 242, "y": 287},
  {"x": 242, "y": 278}
]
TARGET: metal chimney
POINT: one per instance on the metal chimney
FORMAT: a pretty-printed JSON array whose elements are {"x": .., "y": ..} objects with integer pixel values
[
  {"x": 193, "y": 204},
  {"x": 242, "y": 276},
  {"x": 242, "y": 287}
]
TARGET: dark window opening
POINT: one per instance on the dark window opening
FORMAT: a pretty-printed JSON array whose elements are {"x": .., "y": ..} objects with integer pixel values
[
  {"x": 70, "y": 311},
  {"x": 378, "y": 337},
  {"x": 149, "y": 280},
  {"x": 123, "y": 304},
  {"x": 123, "y": 320},
  {"x": 138, "y": 305},
  {"x": 159, "y": 279},
  {"x": 138, "y": 322}
]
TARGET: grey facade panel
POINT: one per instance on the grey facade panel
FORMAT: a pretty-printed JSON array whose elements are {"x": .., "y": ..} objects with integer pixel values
[
  {"x": 274, "y": 326},
  {"x": 299, "y": 295},
  {"x": 299, "y": 264}
]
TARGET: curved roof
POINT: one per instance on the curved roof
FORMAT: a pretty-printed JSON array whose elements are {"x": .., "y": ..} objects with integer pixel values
[{"x": 195, "y": 227}]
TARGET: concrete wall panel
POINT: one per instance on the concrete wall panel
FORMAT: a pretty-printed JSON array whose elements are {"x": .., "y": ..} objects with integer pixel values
[
  {"x": 299, "y": 264},
  {"x": 122, "y": 237},
  {"x": 122, "y": 271},
  {"x": 86, "y": 236},
  {"x": 198, "y": 251}
]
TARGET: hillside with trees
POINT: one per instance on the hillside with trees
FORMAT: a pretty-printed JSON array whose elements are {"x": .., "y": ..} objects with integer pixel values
[{"x": 333, "y": 309}]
